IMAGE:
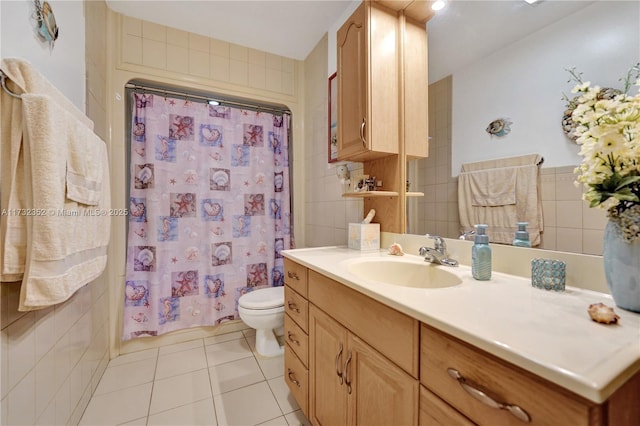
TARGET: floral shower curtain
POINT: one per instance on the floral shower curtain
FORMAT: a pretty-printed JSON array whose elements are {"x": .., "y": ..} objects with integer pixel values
[{"x": 209, "y": 212}]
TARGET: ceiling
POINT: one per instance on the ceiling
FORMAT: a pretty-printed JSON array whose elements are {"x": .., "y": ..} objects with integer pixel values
[
  {"x": 459, "y": 34},
  {"x": 287, "y": 28}
]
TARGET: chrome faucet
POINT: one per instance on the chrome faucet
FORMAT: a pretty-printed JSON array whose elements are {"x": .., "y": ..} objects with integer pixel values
[{"x": 438, "y": 254}]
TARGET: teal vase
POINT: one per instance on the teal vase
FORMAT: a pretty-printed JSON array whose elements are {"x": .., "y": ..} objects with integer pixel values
[{"x": 622, "y": 267}]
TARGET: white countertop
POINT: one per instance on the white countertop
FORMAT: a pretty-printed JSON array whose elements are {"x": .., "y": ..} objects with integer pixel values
[{"x": 547, "y": 333}]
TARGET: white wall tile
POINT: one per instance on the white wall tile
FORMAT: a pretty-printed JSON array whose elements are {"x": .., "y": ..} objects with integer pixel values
[
  {"x": 21, "y": 352},
  {"x": 20, "y": 407}
]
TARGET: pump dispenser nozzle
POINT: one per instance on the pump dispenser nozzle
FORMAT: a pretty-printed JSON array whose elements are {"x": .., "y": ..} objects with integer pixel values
[{"x": 522, "y": 236}]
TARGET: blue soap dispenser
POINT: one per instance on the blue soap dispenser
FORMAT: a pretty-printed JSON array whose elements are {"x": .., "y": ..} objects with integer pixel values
[
  {"x": 522, "y": 236},
  {"x": 481, "y": 254}
]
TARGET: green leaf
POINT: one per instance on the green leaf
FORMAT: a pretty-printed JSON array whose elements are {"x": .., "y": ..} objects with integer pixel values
[{"x": 626, "y": 181}]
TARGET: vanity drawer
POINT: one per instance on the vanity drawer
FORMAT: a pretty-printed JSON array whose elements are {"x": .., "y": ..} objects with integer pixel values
[
  {"x": 297, "y": 339},
  {"x": 544, "y": 402},
  {"x": 297, "y": 378},
  {"x": 295, "y": 276},
  {"x": 434, "y": 411},
  {"x": 297, "y": 307}
]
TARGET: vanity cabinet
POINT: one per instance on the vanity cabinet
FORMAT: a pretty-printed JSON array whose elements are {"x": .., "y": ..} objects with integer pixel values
[
  {"x": 368, "y": 84},
  {"x": 351, "y": 383},
  {"x": 296, "y": 360},
  {"x": 350, "y": 359}
]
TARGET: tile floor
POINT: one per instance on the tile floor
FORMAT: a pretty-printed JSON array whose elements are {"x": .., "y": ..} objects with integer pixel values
[{"x": 218, "y": 380}]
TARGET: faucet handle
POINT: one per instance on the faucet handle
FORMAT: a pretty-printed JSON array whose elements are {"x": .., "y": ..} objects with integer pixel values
[{"x": 439, "y": 244}]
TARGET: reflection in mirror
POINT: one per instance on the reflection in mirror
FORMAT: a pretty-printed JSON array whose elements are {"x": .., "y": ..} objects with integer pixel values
[{"x": 522, "y": 77}]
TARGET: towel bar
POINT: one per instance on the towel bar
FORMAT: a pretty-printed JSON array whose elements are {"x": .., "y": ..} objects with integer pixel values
[{"x": 3, "y": 78}]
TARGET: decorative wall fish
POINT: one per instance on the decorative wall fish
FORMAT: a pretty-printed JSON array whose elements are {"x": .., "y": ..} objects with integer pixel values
[{"x": 499, "y": 127}]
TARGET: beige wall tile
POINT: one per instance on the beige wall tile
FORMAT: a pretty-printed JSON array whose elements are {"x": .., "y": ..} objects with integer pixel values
[
  {"x": 153, "y": 31},
  {"x": 132, "y": 26},
  {"x": 592, "y": 241},
  {"x": 287, "y": 64},
  {"x": 177, "y": 59},
  {"x": 21, "y": 349},
  {"x": 198, "y": 63},
  {"x": 257, "y": 76},
  {"x": 238, "y": 72},
  {"x": 593, "y": 218},
  {"x": 273, "y": 80},
  {"x": 569, "y": 239},
  {"x": 565, "y": 187},
  {"x": 287, "y": 83},
  {"x": 569, "y": 214},
  {"x": 131, "y": 49},
  {"x": 548, "y": 187},
  {"x": 549, "y": 238},
  {"x": 443, "y": 173},
  {"x": 549, "y": 213},
  {"x": 198, "y": 42},
  {"x": 273, "y": 62},
  {"x": 219, "y": 48},
  {"x": 238, "y": 53},
  {"x": 154, "y": 53},
  {"x": 257, "y": 57},
  {"x": 20, "y": 401},
  {"x": 177, "y": 37},
  {"x": 220, "y": 68}
]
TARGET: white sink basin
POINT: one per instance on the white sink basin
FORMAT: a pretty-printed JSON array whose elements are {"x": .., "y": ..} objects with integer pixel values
[{"x": 403, "y": 273}]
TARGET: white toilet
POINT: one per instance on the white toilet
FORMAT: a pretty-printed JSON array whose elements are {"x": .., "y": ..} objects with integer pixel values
[{"x": 263, "y": 310}]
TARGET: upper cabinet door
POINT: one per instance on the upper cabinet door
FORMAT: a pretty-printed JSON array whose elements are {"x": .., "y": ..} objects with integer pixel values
[{"x": 368, "y": 84}]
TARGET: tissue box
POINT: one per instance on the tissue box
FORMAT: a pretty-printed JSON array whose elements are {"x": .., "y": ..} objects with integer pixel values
[{"x": 364, "y": 236}]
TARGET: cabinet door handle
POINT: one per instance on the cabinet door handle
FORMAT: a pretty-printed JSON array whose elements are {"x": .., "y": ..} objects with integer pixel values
[
  {"x": 474, "y": 390},
  {"x": 293, "y": 275},
  {"x": 364, "y": 122},
  {"x": 291, "y": 339},
  {"x": 347, "y": 373},
  {"x": 293, "y": 307},
  {"x": 338, "y": 358},
  {"x": 292, "y": 377}
]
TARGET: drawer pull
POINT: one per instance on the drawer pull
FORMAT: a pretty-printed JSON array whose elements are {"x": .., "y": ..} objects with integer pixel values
[
  {"x": 346, "y": 373},
  {"x": 338, "y": 358},
  {"x": 291, "y": 339},
  {"x": 293, "y": 275},
  {"x": 293, "y": 307},
  {"x": 473, "y": 390},
  {"x": 292, "y": 377},
  {"x": 364, "y": 123}
]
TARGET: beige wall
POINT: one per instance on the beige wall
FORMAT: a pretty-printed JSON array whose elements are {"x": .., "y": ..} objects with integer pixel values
[
  {"x": 327, "y": 212},
  {"x": 53, "y": 359},
  {"x": 569, "y": 224}
]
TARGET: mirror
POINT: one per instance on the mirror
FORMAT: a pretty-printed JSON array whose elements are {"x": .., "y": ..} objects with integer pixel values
[{"x": 508, "y": 59}]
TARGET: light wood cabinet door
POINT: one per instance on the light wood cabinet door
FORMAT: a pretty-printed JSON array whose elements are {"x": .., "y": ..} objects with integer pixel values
[
  {"x": 327, "y": 354},
  {"x": 379, "y": 392},
  {"x": 368, "y": 102},
  {"x": 416, "y": 90}
]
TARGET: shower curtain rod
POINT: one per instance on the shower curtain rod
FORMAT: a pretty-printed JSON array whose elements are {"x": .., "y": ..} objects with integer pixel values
[{"x": 204, "y": 98}]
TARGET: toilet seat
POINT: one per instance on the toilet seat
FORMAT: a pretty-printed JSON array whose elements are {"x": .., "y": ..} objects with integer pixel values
[{"x": 264, "y": 298}]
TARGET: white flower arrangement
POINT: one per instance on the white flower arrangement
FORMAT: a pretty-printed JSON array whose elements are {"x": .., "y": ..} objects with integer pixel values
[{"x": 607, "y": 128}]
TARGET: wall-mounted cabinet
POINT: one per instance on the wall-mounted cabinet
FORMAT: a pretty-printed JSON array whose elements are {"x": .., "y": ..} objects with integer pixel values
[
  {"x": 368, "y": 84},
  {"x": 382, "y": 99}
]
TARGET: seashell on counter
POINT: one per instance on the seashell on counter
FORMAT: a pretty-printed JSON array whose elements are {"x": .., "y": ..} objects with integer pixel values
[{"x": 599, "y": 312}]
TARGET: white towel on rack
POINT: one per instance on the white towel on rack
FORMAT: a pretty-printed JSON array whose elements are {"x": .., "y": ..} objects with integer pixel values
[
  {"x": 67, "y": 241},
  {"x": 500, "y": 213},
  {"x": 22, "y": 78}
]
